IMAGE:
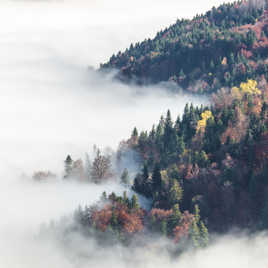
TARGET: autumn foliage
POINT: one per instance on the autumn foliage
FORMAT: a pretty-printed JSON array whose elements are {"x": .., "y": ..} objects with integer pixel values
[
  {"x": 201, "y": 124},
  {"x": 220, "y": 170},
  {"x": 124, "y": 217},
  {"x": 222, "y": 48}
]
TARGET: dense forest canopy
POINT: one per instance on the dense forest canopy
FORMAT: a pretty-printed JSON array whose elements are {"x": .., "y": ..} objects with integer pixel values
[
  {"x": 216, "y": 156},
  {"x": 223, "y": 47},
  {"x": 203, "y": 173}
]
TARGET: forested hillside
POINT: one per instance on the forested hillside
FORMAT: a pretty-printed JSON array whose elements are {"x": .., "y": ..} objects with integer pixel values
[
  {"x": 223, "y": 47},
  {"x": 214, "y": 157},
  {"x": 204, "y": 172}
]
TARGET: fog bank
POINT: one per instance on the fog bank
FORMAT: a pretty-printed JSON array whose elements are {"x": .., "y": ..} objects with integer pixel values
[
  {"x": 52, "y": 105},
  {"x": 74, "y": 251}
]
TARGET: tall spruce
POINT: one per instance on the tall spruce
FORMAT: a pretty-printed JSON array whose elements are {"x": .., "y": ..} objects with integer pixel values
[
  {"x": 157, "y": 178},
  {"x": 124, "y": 179},
  {"x": 68, "y": 166}
]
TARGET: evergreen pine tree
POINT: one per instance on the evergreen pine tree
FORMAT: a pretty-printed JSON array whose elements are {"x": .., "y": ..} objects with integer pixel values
[
  {"x": 134, "y": 132},
  {"x": 164, "y": 227},
  {"x": 178, "y": 124},
  {"x": 145, "y": 172},
  {"x": 134, "y": 202},
  {"x": 175, "y": 217},
  {"x": 156, "y": 178},
  {"x": 197, "y": 213},
  {"x": 114, "y": 221},
  {"x": 125, "y": 198},
  {"x": 180, "y": 146},
  {"x": 68, "y": 166},
  {"x": 195, "y": 234},
  {"x": 124, "y": 177},
  {"x": 204, "y": 234}
]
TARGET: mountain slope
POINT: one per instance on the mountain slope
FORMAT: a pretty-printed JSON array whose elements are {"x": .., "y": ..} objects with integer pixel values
[
  {"x": 224, "y": 47},
  {"x": 217, "y": 155}
]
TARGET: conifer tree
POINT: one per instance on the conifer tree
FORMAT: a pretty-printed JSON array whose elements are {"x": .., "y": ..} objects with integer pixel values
[
  {"x": 145, "y": 172},
  {"x": 195, "y": 234},
  {"x": 125, "y": 198},
  {"x": 197, "y": 213},
  {"x": 157, "y": 178},
  {"x": 178, "y": 124},
  {"x": 175, "y": 193},
  {"x": 180, "y": 146},
  {"x": 164, "y": 227},
  {"x": 114, "y": 221},
  {"x": 169, "y": 134},
  {"x": 68, "y": 166},
  {"x": 134, "y": 202},
  {"x": 124, "y": 179},
  {"x": 134, "y": 132},
  {"x": 175, "y": 217},
  {"x": 204, "y": 234}
]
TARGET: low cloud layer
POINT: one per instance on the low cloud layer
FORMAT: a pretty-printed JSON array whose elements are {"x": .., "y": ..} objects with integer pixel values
[
  {"x": 74, "y": 251},
  {"x": 52, "y": 105}
]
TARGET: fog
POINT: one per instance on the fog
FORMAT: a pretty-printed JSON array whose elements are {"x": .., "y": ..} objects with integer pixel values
[{"x": 52, "y": 105}]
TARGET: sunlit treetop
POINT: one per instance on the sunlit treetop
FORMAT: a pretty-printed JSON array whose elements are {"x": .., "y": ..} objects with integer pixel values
[
  {"x": 203, "y": 122},
  {"x": 247, "y": 88}
]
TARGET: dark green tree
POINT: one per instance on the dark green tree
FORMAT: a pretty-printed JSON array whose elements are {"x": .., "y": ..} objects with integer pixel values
[
  {"x": 124, "y": 179},
  {"x": 164, "y": 227},
  {"x": 157, "y": 178},
  {"x": 134, "y": 132},
  {"x": 68, "y": 164},
  {"x": 134, "y": 202}
]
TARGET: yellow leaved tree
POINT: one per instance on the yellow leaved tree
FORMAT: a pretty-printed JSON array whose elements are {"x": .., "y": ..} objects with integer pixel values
[
  {"x": 201, "y": 124},
  {"x": 249, "y": 88}
]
